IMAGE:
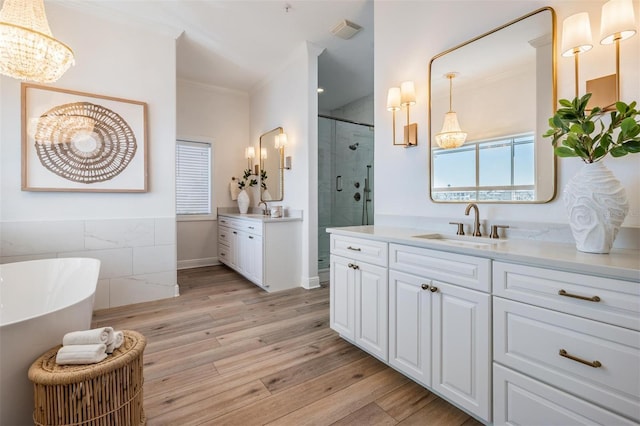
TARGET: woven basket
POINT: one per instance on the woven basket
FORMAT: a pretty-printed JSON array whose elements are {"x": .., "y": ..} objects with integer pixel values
[{"x": 102, "y": 394}]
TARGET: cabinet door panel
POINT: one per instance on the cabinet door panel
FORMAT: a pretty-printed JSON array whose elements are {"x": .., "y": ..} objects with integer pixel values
[
  {"x": 410, "y": 326},
  {"x": 342, "y": 297},
  {"x": 461, "y": 347},
  {"x": 372, "y": 309}
]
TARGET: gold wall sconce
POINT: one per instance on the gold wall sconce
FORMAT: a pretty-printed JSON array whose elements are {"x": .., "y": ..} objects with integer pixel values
[
  {"x": 617, "y": 24},
  {"x": 576, "y": 39},
  {"x": 403, "y": 97},
  {"x": 451, "y": 136},
  {"x": 280, "y": 144}
]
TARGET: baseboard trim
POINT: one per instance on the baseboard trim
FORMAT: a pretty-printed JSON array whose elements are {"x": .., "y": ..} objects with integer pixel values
[
  {"x": 323, "y": 275},
  {"x": 310, "y": 282},
  {"x": 197, "y": 263}
]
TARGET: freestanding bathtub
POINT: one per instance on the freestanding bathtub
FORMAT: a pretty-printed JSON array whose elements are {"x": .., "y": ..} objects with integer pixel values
[{"x": 40, "y": 301}]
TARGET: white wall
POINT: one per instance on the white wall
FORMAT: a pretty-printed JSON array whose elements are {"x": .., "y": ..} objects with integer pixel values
[
  {"x": 222, "y": 116},
  {"x": 133, "y": 234},
  {"x": 402, "y": 175},
  {"x": 289, "y": 99}
]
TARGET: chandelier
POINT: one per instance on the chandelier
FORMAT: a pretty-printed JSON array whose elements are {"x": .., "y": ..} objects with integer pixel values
[
  {"x": 451, "y": 136},
  {"x": 28, "y": 50}
]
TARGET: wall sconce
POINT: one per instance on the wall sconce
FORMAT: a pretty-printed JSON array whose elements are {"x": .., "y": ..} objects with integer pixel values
[
  {"x": 451, "y": 136},
  {"x": 576, "y": 39},
  {"x": 617, "y": 24},
  {"x": 250, "y": 154},
  {"x": 280, "y": 144},
  {"x": 397, "y": 98}
]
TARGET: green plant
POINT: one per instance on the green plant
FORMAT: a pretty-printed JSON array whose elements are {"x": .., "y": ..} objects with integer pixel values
[
  {"x": 577, "y": 133},
  {"x": 263, "y": 179},
  {"x": 247, "y": 180}
]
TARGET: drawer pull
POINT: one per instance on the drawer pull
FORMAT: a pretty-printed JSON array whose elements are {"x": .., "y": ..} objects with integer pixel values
[
  {"x": 250, "y": 237},
  {"x": 425, "y": 286},
  {"x": 594, "y": 364},
  {"x": 235, "y": 232},
  {"x": 222, "y": 254},
  {"x": 576, "y": 296},
  {"x": 251, "y": 227},
  {"x": 354, "y": 248},
  {"x": 352, "y": 266},
  {"x": 433, "y": 289},
  {"x": 222, "y": 235}
]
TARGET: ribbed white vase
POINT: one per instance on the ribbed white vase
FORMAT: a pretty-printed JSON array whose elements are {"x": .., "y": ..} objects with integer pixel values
[
  {"x": 243, "y": 202},
  {"x": 597, "y": 205}
]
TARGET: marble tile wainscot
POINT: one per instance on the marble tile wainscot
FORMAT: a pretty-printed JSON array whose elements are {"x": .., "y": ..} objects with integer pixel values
[{"x": 537, "y": 327}]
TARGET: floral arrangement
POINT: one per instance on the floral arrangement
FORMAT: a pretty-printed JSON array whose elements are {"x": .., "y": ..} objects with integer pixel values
[
  {"x": 247, "y": 180},
  {"x": 575, "y": 133}
]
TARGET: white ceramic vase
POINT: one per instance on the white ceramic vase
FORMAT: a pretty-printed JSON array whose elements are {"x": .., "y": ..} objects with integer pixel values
[
  {"x": 597, "y": 205},
  {"x": 243, "y": 202}
]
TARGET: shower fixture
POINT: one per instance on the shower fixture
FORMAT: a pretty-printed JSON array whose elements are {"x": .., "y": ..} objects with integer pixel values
[{"x": 354, "y": 146}]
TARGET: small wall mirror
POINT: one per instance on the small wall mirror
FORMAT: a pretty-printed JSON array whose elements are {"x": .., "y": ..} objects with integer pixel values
[
  {"x": 503, "y": 91},
  {"x": 271, "y": 176}
]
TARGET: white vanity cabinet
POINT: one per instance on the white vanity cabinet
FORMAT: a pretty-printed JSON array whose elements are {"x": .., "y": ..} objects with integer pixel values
[
  {"x": 358, "y": 292},
  {"x": 566, "y": 347},
  {"x": 440, "y": 323},
  {"x": 266, "y": 252}
]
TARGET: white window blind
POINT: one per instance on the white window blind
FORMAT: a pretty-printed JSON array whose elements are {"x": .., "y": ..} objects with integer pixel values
[{"x": 193, "y": 178}]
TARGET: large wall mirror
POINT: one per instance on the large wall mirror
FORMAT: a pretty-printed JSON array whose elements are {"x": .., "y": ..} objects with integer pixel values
[
  {"x": 271, "y": 173},
  {"x": 502, "y": 86}
]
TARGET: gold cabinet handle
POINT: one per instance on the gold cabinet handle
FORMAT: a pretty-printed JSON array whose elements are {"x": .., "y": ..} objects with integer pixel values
[
  {"x": 577, "y": 296},
  {"x": 433, "y": 289},
  {"x": 352, "y": 266},
  {"x": 425, "y": 286},
  {"x": 354, "y": 248},
  {"x": 594, "y": 364}
]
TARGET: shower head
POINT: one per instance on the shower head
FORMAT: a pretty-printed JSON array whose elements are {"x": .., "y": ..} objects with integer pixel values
[{"x": 354, "y": 146}]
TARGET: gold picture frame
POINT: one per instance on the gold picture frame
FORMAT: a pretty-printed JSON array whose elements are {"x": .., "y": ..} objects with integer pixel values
[{"x": 81, "y": 142}]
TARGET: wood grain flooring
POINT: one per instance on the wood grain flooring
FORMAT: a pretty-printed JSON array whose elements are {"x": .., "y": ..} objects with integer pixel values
[{"x": 227, "y": 353}]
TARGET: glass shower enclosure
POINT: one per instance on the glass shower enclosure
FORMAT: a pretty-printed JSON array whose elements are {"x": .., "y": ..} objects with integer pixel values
[{"x": 345, "y": 178}]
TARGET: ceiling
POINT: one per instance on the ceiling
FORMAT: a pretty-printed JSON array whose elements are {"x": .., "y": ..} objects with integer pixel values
[{"x": 238, "y": 43}]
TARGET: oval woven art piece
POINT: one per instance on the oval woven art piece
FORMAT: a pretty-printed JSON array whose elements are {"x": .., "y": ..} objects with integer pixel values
[{"x": 84, "y": 142}]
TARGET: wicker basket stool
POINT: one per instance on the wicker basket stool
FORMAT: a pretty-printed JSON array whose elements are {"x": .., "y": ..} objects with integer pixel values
[{"x": 102, "y": 394}]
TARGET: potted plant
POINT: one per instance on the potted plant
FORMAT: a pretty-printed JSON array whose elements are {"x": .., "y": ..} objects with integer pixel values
[
  {"x": 247, "y": 180},
  {"x": 595, "y": 200}
]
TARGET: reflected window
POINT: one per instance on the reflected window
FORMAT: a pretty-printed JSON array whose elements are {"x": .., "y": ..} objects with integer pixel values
[{"x": 499, "y": 169}]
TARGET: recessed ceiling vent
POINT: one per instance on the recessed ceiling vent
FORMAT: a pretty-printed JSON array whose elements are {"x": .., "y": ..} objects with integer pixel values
[{"x": 345, "y": 29}]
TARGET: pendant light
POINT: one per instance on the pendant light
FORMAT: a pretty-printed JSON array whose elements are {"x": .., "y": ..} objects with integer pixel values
[
  {"x": 28, "y": 50},
  {"x": 451, "y": 136}
]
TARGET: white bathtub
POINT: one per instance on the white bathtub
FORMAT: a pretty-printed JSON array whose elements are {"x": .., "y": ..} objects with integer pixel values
[{"x": 40, "y": 301}]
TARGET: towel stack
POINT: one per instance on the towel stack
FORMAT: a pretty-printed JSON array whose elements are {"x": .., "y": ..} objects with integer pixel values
[{"x": 88, "y": 346}]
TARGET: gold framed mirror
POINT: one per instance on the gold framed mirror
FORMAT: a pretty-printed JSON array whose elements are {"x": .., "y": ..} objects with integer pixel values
[
  {"x": 502, "y": 86},
  {"x": 271, "y": 174}
]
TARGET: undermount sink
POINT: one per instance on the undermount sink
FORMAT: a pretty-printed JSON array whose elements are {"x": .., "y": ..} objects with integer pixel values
[{"x": 461, "y": 240}]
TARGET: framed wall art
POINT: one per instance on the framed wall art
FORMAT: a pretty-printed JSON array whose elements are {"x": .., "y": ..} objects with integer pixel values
[{"x": 74, "y": 141}]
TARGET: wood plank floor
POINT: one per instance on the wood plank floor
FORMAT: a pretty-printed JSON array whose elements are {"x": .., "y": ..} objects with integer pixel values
[{"x": 227, "y": 353}]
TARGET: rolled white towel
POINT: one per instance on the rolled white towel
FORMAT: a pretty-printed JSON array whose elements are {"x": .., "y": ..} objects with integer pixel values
[
  {"x": 118, "y": 340},
  {"x": 81, "y": 354},
  {"x": 89, "y": 337}
]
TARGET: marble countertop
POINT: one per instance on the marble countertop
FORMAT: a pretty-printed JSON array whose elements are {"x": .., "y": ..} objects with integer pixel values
[
  {"x": 259, "y": 217},
  {"x": 619, "y": 264}
]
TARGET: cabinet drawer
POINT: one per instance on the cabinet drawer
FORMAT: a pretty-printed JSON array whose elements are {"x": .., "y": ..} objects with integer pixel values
[
  {"x": 224, "y": 235},
  {"x": 224, "y": 254},
  {"x": 615, "y": 302},
  {"x": 370, "y": 251},
  {"x": 467, "y": 271},
  {"x": 531, "y": 340},
  {"x": 250, "y": 226},
  {"x": 520, "y": 400},
  {"x": 226, "y": 221}
]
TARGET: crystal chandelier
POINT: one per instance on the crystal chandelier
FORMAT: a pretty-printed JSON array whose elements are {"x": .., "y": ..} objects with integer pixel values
[
  {"x": 451, "y": 136},
  {"x": 28, "y": 50}
]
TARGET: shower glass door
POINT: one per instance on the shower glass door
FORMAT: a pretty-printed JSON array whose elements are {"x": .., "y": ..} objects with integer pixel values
[{"x": 345, "y": 179}]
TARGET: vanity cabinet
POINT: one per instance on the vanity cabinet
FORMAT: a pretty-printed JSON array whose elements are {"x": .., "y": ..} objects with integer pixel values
[
  {"x": 358, "y": 292},
  {"x": 266, "y": 253},
  {"x": 440, "y": 323},
  {"x": 566, "y": 347}
]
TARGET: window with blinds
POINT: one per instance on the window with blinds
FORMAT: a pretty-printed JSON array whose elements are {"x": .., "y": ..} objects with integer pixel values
[{"x": 193, "y": 178}]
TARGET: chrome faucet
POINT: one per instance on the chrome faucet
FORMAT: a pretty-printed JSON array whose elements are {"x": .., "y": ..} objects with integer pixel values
[
  {"x": 265, "y": 211},
  {"x": 476, "y": 222}
]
